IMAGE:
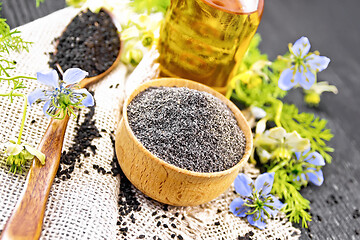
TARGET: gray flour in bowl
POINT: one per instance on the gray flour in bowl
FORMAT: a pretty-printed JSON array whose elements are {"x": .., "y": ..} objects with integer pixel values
[{"x": 188, "y": 128}]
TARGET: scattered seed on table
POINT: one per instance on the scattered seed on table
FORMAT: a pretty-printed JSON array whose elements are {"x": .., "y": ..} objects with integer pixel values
[
  {"x": 188, "y": 128},
  {"x": 356, "y": 214}
]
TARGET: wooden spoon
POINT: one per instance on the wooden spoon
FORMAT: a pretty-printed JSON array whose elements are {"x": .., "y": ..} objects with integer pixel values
[{"x": 27, "y": 217}]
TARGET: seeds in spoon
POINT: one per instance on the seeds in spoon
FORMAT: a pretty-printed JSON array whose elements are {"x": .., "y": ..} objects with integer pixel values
[{"x": 89, "y": 42}]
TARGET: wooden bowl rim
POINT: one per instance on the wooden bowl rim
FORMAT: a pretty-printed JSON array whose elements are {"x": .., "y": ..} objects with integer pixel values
[{"x": 178, "y": 82}]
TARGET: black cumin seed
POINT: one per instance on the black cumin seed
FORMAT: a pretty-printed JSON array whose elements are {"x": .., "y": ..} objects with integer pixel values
[
  {"x": 356, "y": 214},
  {"x": 166, "y": 207},
  {"x": 85, "y": 133},
  {"x": 89, "y": 42}
]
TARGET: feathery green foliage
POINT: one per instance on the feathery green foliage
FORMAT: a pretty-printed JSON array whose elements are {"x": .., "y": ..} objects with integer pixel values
[
  {"x": 38, "y": 2},
  {"x": 310, "y": 127},
  {"x": 11, "y": 41},
  {"x": 297, "y": 206},
  {"x": 256, "y": 85},
  {"x": 149, "y": 6}
]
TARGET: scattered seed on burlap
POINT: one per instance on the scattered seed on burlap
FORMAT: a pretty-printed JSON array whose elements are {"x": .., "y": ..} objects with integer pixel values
[
  {"x": 190, "y": 129},
  {"x": 248, "y": 236},
  {"x": 89, "y": 42},
  {"x": 127, "y": 200},
  {"x": 86, "y": 132},
  {"x": 129, "y": 204}
]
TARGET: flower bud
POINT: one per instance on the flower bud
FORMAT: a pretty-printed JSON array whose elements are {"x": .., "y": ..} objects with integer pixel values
[{"x": 312, "y": 99}]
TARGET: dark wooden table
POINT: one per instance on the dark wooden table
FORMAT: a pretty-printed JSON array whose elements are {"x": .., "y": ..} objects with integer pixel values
[{"x": 333, "y": 28}]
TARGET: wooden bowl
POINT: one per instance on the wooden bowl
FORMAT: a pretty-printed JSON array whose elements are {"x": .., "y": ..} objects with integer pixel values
[{"x": 165, "y": 182}]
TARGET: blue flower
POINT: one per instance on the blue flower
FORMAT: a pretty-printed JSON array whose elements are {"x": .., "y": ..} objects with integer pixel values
[
  {"x": 64, "y": 95},
  {"x": 311, "y": 170},
  {"x": 304, "y": 66},
  {"x": 257, "y": 204}
]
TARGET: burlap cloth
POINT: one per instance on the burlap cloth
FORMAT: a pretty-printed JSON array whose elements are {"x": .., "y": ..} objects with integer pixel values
[{"x": 86, "y": 205}]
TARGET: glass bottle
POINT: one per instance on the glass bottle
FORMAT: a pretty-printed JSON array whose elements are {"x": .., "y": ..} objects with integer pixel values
[{"x": 204, "y": 40}]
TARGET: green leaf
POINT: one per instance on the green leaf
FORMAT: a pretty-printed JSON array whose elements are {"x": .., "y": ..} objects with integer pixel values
[
  {"x": 310, "y": 127},
  {"x": 10, "y": 41},
  {"x": 38, "y": 2},
  {"x": 149, "y": 6},
  {"x": 297, "y": 206}
]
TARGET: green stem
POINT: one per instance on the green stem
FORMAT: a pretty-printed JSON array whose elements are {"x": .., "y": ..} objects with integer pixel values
[
  {"x": 278, "y": 111},
  {"x": 24, "y": 111},
  {"x": 23, "y": 118},
  {"x": 3, "y": 69},
  {"x": 278, "y": 166},
  {"x": 17, "y": 77}
]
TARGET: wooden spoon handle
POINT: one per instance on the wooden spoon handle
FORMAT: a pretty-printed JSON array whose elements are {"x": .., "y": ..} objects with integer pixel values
[{"x": 26, "y": 219}]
